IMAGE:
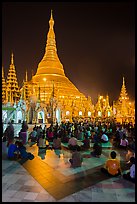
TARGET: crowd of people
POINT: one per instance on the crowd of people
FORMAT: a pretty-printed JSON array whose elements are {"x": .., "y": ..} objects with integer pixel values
[{"x": 121, "y": 136}]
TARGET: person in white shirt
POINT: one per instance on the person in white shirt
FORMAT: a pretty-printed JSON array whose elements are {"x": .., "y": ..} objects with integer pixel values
[
  {"x": 130, "y": 175},
  {"x": 104, "y": 138}
]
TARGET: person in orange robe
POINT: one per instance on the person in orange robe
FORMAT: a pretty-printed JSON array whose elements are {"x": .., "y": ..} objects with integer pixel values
[{"x": 112, "y": 166}]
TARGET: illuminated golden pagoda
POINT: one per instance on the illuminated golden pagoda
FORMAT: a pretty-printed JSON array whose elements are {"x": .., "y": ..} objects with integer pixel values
[
  {"x": 3, "y": 87},
  {"x": 123, "y": 109},
  {"x": 50, "y": 87},
  {"x": 12, "y": 88}
]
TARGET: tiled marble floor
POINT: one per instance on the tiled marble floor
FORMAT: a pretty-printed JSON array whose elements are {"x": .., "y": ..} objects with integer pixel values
[{"x": 49, "y": 178}]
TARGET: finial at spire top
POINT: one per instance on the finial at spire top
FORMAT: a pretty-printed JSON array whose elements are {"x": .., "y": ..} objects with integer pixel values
[
  {"x": 51, "y": 14},
  {"x": 51, "y": 21},
  {"x": 26, "y": 75},
  {"x": 12, "y": 61},
  {"x": 123, "y": 81}
]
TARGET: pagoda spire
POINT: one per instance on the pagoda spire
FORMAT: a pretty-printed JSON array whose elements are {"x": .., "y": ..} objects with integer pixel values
[
  {"x": 23, "y": 92},
  {"x": 123, "y": 81},
  {"x": 12, "y": 83},
  {"x": 107, "y": 101},
  {"x": 50, "y": 62},
  {"x": 123, "y": 93},
  {"x": 26, "y": 75},
  {"x": 3, "y": 86},
  {"x": 12, "y": 60}
]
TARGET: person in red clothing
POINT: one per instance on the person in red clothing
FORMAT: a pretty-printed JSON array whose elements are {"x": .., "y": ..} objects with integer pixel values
[{"x": 112, "y": 166}]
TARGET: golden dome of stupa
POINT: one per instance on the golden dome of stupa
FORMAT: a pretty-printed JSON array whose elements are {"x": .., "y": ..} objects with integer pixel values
[{"x": 50, "y": 69}]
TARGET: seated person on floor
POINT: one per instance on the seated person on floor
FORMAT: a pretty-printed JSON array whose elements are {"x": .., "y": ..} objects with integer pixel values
[
  {"x": 97, "y": 150},
  {"x": 23, "y": 153},
  {"x": 123, "y": 142},
  {"x": 72, "y": 143},
  {"x": 56, "y": 142},
  {"x": 13, "y": 152},
  {"x": 33, "y": 135},
  {"x": 50, "y": 134},
  {"x": 112, "y": 166},
  {"x": 104, "y": 138},
  {"x": 130, "y": 175},
  {"x": 130, "y": 153},
  {"x": 86, "y": 142},
  {"x": 80, "y": 135},
  {"x": 41, "y": 141},
  {"x": 116, "y": 139},
  {"x": 77, "y": 158},
  {"x": 132, "y": 143},
  {"x": 95, "y": 137}
]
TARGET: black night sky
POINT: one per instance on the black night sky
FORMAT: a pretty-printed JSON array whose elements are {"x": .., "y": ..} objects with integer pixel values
[{"x": 95, "y": 42}]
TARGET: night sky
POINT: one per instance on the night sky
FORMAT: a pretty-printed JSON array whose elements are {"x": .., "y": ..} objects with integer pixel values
[{"x": 95, "y": 43}]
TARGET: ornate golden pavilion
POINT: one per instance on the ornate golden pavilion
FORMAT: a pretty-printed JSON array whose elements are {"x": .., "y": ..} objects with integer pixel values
[{"x": 50, "y": 86}]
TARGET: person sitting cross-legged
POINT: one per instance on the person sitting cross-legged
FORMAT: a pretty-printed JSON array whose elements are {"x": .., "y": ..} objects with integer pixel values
[
  {"x": 23, "y": 153},
  {"x": 41, "y": 141},
  {"x": 56, "y": 142},
  {"x": 123, "y": 142},
  {"x": 13, "y": 152},
  {"x": 86, "y": 143},
  {"x": 72, "y": 143},
  {"x": 112, "y": 166},
  {"x": 130, "y": 175},
  {"x": 77, "y": 158},
  {"x": 104, "y": 138},
  {"x": 97, "y": 149}
]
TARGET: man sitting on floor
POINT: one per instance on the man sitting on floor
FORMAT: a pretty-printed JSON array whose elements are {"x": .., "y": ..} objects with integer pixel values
[
  {"x": 72, "y": 143},
  {"x": 112, "y": 166},
  {"x": 77, "y": 158},
  {"x": 131, "y": 174},
  {"x": 97, "y": 149}
]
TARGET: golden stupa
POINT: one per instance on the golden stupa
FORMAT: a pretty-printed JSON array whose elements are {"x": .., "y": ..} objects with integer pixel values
[{"x": 50, "y": 82}]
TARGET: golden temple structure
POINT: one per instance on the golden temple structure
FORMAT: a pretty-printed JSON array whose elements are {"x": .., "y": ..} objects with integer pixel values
[
  {"x": 50, "y": 86},
  {"x": 51, "y": 97},
  {"x": 103, "y": 108},
  {"x": 10, "y": 88},
  {"x": 123, "y": 108}
]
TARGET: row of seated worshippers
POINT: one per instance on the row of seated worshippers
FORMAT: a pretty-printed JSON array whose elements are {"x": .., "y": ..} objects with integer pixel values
[{"x": 112, "y": 166}]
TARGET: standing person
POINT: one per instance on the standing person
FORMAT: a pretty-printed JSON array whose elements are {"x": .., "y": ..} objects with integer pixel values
[
  {"x": 24, "y": 126},
  {"x": 112, "y": 166},
  {"x": 9, "y": 133},
  {"x": 131, "y": 173},
  {"x": 23, "y": 134}
]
